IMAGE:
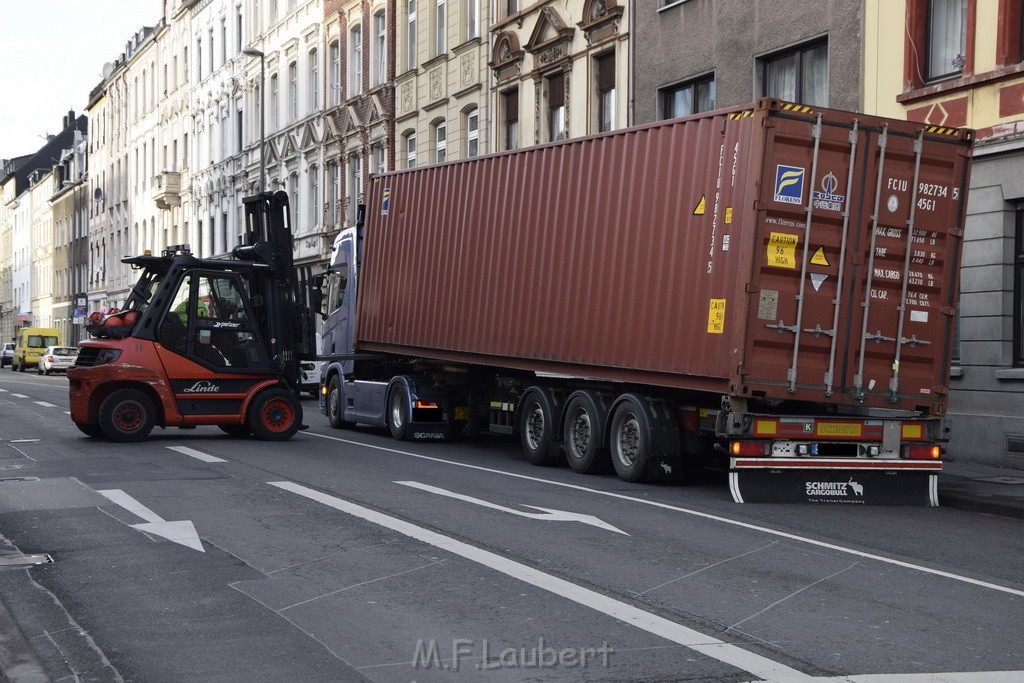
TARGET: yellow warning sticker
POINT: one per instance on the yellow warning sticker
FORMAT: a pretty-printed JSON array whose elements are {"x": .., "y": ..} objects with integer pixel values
[
  {"x": 701, "y": 206},
  {"x": 782, "y": 250},
  {"x": 716, "y": 316},
  {"x": 728, "y": 215},
  {"x": 819, "y": 257}
]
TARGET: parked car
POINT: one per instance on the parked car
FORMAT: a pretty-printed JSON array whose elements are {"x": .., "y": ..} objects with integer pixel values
[
  {"x": 7, "y": 354},
  {"x": 310, "y": 377},
  {"x": 56, "y": 359}
]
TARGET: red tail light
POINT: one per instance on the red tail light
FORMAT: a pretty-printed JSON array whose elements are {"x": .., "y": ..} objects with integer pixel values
[
  {"x": 922, "y": 452},
  {"x": 49, "y": 359},
  {"x": 755, "y": 449}
]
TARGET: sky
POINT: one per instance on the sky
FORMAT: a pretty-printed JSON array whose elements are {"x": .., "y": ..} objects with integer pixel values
[{"x": 55, "y": 51}]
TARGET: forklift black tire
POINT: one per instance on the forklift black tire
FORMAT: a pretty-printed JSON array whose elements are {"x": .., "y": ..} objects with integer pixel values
[
  {"x": 90, "y": 430},
  {"x": 235, "y": 430},
  {"x": 334, "y": 404},
  {"x": 537, "y": 429},
  {"x": 630, "y": 439},
  {"x": 583, "y": 435},
  {"x": 274, "y": 415},
  {"x": 127, "y": 415},
  {"x": 398, "y": 413}
]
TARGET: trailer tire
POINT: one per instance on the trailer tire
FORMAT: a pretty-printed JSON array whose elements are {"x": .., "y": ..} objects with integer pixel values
[
  {"x": 583, "y": 434},
  {"x": 333, "y": 404},
  {"x": 398, "y": 413},
  {"x": 631, "y": 439},
  {"x": 274, "y": 415},
  {"x": 537, "y": 428},
  {"x": 127, "y": 415}
]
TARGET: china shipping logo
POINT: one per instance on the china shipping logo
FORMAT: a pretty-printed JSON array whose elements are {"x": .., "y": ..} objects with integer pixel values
[
  {"x": 789, "y": 184},
  {"x": 827, "y": 199}
]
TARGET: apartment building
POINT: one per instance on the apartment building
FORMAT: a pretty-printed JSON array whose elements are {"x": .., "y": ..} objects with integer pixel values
[
  {"x": 961, "y": 63},
  {"x": 559, "y": 69}
]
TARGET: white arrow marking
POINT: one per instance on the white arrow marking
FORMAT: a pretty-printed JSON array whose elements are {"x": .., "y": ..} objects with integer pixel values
[
  {"x": 547, "y": 514},
  {"x": 183, "y": 532}
]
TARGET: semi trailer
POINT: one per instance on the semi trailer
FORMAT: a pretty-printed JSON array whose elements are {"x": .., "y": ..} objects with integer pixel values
[{"x": 770, "y": 287}]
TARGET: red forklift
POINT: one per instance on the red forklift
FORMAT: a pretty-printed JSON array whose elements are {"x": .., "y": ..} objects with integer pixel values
[{"x": 204, "y": 341}]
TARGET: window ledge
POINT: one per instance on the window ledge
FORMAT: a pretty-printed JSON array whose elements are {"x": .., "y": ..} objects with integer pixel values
[
  {"x": 1011, "y": 374},
  {"x": 962, "y": 83},
  {"x": 677, "y": 3}
]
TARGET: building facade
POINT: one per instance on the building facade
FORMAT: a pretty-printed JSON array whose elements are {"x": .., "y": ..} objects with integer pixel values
[
  {"x": 961, "y": 63},
  {"x": 559, "y": 69},
  {"x": 737, "y": 51}
]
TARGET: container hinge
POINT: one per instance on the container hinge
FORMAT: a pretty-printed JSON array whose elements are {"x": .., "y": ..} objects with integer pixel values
[
  {"x": 782, "y": 327},
  {"x": 817, "y": 331},
  {"x": 760, "y": 206},
  {"x": 956, "y": 232},
  {"x": 942, "y": 391},
  {"x": 751, "y": 288},
  {"x": 742, "y": 370},
  {"x": 947, "y": 311},
  {"x": 878, "y": 337},
  {"x": 914, "y": 341}
]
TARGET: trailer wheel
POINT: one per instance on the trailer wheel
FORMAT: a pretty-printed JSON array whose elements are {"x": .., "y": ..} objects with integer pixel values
[
  {"x": 334, "y": 409},
  {"x": 583, "y": 435},
  {"x": 537, "y": 428},
  {"x": 89, "y": 430},
  {"x": 274, "y": 415},
  {"x": 127, "y": 415},
  {"x": 631, "y": 439},
  {"x": 235, "y": 430},
  {"x": 398, "y": 413}
]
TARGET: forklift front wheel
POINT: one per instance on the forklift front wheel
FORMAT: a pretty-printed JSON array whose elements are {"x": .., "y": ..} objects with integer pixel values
[
  {"x": 275, "y": 415},
  {"x": 127, "y": 415}
]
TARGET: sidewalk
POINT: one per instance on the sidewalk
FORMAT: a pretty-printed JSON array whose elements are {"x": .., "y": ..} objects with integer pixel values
[{"x": 980, "y": 488}]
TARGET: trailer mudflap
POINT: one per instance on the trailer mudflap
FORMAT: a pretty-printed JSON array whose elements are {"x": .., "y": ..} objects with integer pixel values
[{"x": 853, "y": 481}]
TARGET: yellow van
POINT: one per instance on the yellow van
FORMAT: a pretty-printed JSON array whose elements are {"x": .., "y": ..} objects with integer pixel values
[{"x": 29, "y": 343}]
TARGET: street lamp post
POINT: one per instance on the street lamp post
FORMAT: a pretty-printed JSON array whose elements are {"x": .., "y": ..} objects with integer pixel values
[{"x": 252, "y": 52}]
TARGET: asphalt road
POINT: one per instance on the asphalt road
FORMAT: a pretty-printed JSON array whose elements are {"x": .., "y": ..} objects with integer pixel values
[{"x": 345, "y": 555}]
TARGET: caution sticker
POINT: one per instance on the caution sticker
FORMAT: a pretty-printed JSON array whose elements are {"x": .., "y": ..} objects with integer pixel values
[
  {"x": 728, "y": 215},
  {"x": 782, "y": 250},
  {"x": 819, "y": 257},
  {"x": 701, "y": 206},
  {"x": 716, "y": 316}
]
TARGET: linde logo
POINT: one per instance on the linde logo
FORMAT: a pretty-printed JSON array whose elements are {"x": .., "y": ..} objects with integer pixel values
[
  {"x": 202, "y": 387},
  {"x": 835, "y": 488}
]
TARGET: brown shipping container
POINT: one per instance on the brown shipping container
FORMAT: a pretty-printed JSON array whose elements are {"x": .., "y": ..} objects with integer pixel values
[{"x": 731, "y": 252}]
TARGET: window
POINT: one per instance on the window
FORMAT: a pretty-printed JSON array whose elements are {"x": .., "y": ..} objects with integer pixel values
[
  {"x": 605, "y": 92},
  {"x": 314, "y": 81},
  {"x": 239, "y": 137},
  {"x": 379, "y": 165},
  {"x": 947, "y": 38},
  {"x": 411, "y": 35},
  {"x": 210, "y": 53},
  {"x": 354, "y": 185},
  {"x": 440, "y": 27},
  {"x": 275, "y": 109},
  {"x": 223, "y": 41},
  {"x": 797, "y": 75},
  {"x": 688, "y": 98},
  {"x": 199, "y": 59},
  {"x": 293, "y": 194},
  {"x": 1018, "y": 289},
  {"x": 238, "y": 29},
  {"x": 380, "y": 57},
  {"x": 335, "y": 85},
  {"x": 293, "y": 91},
  {"x": 472, "y": 19},
  {"x": 510, "y": 99},
  {"x": 473, "y": 132},
  {"x": 314, "y": 197},
  {"x": 556, "y": 107},
  {"x": 511, "y": 7},
  {"x": 410, "y": 150},
  {"x": 334, "y": 178},
  {"x": 440, "y": 142},
  {"x": 356, "y": 61}
]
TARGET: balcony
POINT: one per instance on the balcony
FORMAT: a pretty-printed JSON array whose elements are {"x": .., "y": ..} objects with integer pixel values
[{"x": 167, "y": 189}]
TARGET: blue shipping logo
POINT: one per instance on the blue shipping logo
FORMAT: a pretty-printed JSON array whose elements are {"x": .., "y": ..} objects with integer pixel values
[{"x": 789, "y": 184}]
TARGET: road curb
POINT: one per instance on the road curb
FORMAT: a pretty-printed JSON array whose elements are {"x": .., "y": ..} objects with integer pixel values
[{"x": 18, "y": 661}]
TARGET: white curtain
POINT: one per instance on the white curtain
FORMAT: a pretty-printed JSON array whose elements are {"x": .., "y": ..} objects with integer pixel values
[{"x": 947, "y": 36}]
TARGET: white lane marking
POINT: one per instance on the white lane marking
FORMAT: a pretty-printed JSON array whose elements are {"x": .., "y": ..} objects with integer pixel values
[
  {"x": 728, "y": 653},
  {"x": 45, "y": 404},
  {"x": 19, "y": 395},
  {"x": 198, "y": 455},
  {"x": 547, "y": 514},
  {"x": 955, "y": 677},
  {"x": 182, "y": 532},
  {"x": 695, "y": 513}
]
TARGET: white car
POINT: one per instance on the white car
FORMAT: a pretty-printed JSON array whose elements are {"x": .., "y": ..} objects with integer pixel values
[
  {"x": 56, "y": 359},
  {"x": 7, "y": 354},
  {"x": 310, "y": 376}
]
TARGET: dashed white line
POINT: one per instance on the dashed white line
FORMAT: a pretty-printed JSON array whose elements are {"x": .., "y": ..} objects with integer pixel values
[
  {"x": 45, "y": 404},
  {"x": 198, "y": 455}
]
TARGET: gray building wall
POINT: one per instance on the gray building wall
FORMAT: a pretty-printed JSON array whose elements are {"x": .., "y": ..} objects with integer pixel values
[
  {"x": 695, "y": 37},
  {"x": 986, "y": 406}
]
